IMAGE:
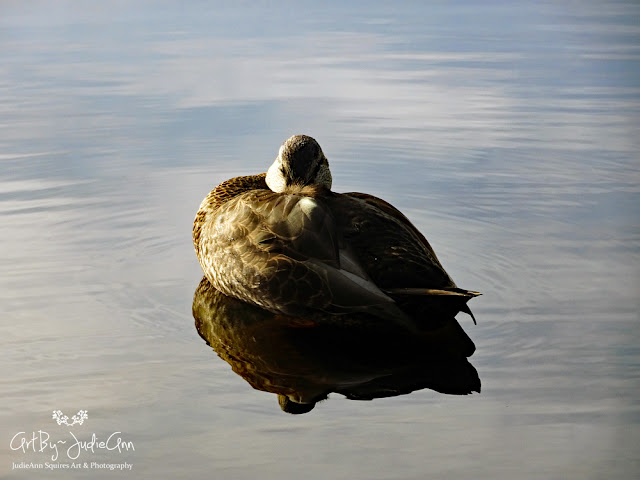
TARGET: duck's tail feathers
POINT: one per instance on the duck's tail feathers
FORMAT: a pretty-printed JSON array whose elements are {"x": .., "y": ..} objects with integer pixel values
[
  {"x": 463, "y": 295},
  {"x": 455, "y": 291},
  {"x": 465, "y": 308}
]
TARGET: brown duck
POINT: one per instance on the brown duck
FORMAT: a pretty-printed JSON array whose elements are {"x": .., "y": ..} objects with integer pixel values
[{"x": 285, "y": 242}]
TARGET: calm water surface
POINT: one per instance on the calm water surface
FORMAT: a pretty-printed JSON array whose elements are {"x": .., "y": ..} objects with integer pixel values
[{"x": 507, "y": 132}]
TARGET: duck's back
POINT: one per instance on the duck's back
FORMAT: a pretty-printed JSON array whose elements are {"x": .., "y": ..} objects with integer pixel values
[{"x": 394, "y": 253}]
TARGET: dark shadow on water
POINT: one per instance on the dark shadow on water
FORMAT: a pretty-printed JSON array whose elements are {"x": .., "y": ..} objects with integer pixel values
[{"x": 302, "y": 360}]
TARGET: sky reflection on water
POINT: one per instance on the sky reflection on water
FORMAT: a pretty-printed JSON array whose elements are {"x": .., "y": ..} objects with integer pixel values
[{"x": 507, "y": 133}]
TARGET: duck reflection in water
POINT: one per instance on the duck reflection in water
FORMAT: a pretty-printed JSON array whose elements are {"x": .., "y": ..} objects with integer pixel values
[{"x": 302, "y": 359}]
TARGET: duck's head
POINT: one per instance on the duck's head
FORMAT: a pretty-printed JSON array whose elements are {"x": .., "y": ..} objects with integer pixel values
[{"x": 300, "y": 162}]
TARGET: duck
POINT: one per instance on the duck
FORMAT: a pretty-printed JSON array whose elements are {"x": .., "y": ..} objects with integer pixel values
[{"x": 284, "y": 241}]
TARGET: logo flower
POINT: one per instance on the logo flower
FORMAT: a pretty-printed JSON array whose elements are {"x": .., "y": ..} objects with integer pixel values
[{"x": 78, "y": 418}]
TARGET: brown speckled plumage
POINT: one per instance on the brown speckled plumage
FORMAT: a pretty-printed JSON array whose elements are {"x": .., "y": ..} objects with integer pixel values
[{"x": 306, "y": 248}]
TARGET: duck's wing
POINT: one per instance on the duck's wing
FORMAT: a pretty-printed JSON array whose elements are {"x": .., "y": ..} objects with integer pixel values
[
  {"x": 393, "y": 251},
  {"x": 285, "y": 253},
  {"x": 398, "y": 256},
  {"x": 393, "y": 212},
  {"x": 297, "y": 226}
]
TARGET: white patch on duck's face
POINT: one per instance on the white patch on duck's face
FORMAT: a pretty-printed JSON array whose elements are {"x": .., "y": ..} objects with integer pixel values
[{"x": 275, "y": 178}]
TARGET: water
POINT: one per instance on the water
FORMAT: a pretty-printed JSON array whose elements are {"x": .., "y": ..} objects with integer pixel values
[{"x": 507, "y": 132}]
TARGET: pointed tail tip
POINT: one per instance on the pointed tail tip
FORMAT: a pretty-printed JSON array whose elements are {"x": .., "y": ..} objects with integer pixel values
[{"x": 465, "y": 308}]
